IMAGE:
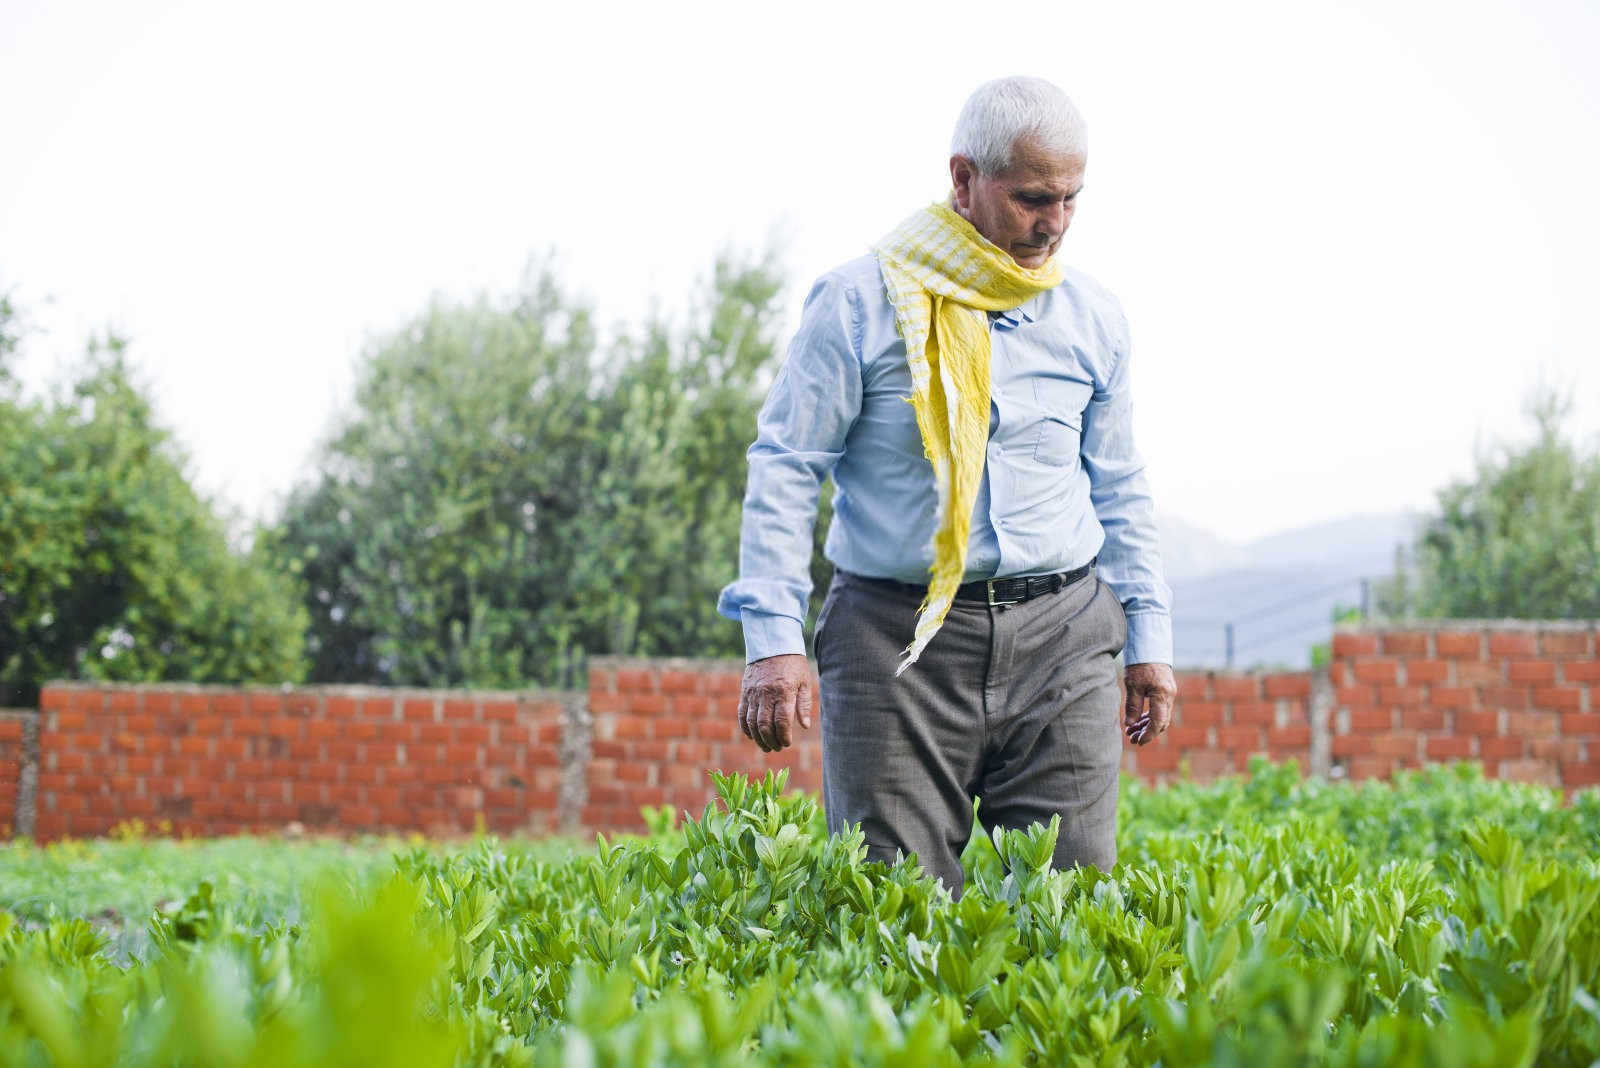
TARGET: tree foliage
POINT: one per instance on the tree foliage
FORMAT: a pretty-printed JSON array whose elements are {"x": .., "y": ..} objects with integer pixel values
[
  {"x": 509, "y": 493},
  {"x": 1520, "y": 539},
  {"x": 111, "y": 566}
]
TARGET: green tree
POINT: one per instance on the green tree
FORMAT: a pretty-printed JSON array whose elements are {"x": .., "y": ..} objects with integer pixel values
[
  {"x": 509, "y": 494},
  {"x": 1519, "y": 539},
  {"x": 111, "y": 566}
]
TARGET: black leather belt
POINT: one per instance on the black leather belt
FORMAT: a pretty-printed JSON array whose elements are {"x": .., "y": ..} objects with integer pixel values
[{"x": 1000, "y": 591}]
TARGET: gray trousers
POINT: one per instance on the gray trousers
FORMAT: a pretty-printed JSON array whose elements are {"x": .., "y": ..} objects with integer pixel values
[{"x": 1019, "y": 706}]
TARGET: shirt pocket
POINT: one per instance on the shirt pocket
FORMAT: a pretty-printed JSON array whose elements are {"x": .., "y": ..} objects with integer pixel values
[{"x": 1060, "y": 421}]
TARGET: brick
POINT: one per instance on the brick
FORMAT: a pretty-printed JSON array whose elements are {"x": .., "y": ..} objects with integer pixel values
[
  {"x": 1422, "y": 718},
  {"x": 1346, "y": 644},
  {"x": 1185, "y": 736},
  {"x": 682, "y": 682},
  {"x": 1236, "y": 687},
  {"x": 1580, "y": 723},
  {"x": 1539, "y": 672},
  {"x": 1581, "y": 671},
  {"x": 1239, "y": 737},
  {"x": 724, "y": 683},
  {"x": 1193, "y": 687},
  {"x": 1399, "y": 695},
  {"x": 647, "y": 704},
  {"x": 194, "y": 704},
  {"x": 1276, "y": 686},
  {"x": 1369, "y": 767},
  {"x": 340, "y": 708},
  {"x": 1512, "y": 644},
  {"x": 1458, "y": 644},
  {"x": 1427, "y": 672},
  {"x": 457, "y": 709},
  {"x": 1543, "y": 772},
  {"x": 1292, "y": 737},
  {"x": 636, "y": 680},
  {"x": 498, "y": 711},
  {"x": 673, "y": 728},
  {"x": 1568, "y": 749},
  {"x": 1377, "y": 671},
  {"x": 1446, "y": 747},
  {"x": 1514, "y": 697},
  {"x": 418, "y": 710},
  {"x": 1580, "y": 776},
  {"x": 1565, "y": 643},
  {"x": 1564, "y": 698},
  {"x": 1398, "y": 744},
  {"x": 433, "y": 733},
  {"x": 1256, "y": 713},
  {"x": 1478, "y": 722},
  {"x": 1404, "y": 643},
  {"x": 1199, "y": 713},
  {"x": 1533, "y": 724},
  {"x": 1501, "y": 747},
  {"x": 1355, "y": 696},
  {"x": 377, "y": 708},
  {"x": 1479, "y": 673},
  {"x": 1452, "y": 697},
  {"x": 1371, "y": 719},
  {"x": 1151, "y": 760}
]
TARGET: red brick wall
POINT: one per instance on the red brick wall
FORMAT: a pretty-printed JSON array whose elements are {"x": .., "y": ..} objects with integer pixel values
[
  {"x": 213, "y": 760},
  {"x": 1522, "y": 698},
  {"x": 659, "y": 725},
  {"x": 10, "y": 767}
]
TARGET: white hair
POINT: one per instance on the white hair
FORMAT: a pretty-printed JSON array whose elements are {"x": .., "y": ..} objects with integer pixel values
[{"x": 1005, "y": 111}]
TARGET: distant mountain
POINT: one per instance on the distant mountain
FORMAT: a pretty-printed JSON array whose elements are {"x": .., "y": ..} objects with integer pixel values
[{"x": 1279, "y": 592}]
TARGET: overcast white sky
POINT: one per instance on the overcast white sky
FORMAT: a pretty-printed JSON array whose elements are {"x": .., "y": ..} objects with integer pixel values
[{"x": 1348, "y": 236}]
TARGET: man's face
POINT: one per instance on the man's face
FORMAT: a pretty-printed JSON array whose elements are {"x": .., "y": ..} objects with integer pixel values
[{"x": 1025, "y": 210}]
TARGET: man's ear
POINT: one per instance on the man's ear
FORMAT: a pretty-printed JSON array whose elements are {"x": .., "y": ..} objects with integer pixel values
[{"x": 962, "y": 174}]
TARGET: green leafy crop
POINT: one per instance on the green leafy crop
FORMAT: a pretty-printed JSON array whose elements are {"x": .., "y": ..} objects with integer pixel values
[{"x": 1443, "y": 920}]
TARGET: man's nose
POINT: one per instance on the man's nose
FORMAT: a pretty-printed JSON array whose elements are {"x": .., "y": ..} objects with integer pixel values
[{"x": 1053, "y": 220}]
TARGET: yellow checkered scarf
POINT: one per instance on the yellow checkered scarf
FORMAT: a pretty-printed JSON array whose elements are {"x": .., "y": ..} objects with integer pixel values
[{"x": 942, "y": 276}]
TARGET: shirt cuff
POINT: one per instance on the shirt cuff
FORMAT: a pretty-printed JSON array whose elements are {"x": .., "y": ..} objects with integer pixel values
[
  {"x": 1149, "y": 638},
  {"x": 769, "y": 634}
]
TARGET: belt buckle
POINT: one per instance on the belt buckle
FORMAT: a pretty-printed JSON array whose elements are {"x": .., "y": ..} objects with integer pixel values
[{"x": 989, "y": 588}]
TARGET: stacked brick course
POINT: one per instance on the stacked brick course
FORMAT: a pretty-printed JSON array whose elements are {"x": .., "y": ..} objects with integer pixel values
[
  {"x": 210, "y": 760},
  {"x": 11, "y": 765},
  {"x": 1522, "y": 698},
  {"x": 660, "y": 725}
]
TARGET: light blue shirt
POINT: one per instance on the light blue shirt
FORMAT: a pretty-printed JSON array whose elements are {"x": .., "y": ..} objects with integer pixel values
[{"x": 1062, "y": 482}]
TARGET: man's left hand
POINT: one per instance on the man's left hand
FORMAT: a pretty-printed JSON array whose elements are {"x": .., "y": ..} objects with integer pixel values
[{"x": 1151, "y": 692}]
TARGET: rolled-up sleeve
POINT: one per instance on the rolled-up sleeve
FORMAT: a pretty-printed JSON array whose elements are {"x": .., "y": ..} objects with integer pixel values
[
  {"x": 1130, "y": 559},
  {"x": 800, "y": 435}
]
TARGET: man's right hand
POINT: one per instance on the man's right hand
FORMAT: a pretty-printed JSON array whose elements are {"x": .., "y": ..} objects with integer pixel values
[{"x": 776, "y": 692}]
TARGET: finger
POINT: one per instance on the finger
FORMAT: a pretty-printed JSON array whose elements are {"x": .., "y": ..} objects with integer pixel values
[
  {"x": 1161, "y": 710},
  {"x": 744, "y": 705},
  {"x": 803, "y": 703},
  {"x": 765, "y": 734},
  {"x": 1133, "y": 703},
  {"x": 782, "y": 717}
]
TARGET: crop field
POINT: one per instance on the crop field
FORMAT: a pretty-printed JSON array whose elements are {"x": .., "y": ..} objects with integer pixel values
[{"x": 1443, "y": 920}]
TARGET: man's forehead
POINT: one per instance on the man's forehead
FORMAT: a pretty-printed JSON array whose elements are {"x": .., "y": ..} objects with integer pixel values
[{"x": 1055, "y": 171}]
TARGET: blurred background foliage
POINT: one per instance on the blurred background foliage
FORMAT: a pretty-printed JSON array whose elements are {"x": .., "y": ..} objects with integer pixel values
[
  {"x": 1520, "y": 539},
  {"x": 511, "y": 490},
  {"x": 507, "y": 493},
  {"x": 111, "y": 565}
]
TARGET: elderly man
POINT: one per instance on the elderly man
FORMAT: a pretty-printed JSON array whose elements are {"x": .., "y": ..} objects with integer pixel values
[{"x": 993, "y": 538}]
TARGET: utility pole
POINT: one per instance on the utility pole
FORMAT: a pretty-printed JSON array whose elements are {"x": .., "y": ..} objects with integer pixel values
[{"x": 1228, "y": 632}]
